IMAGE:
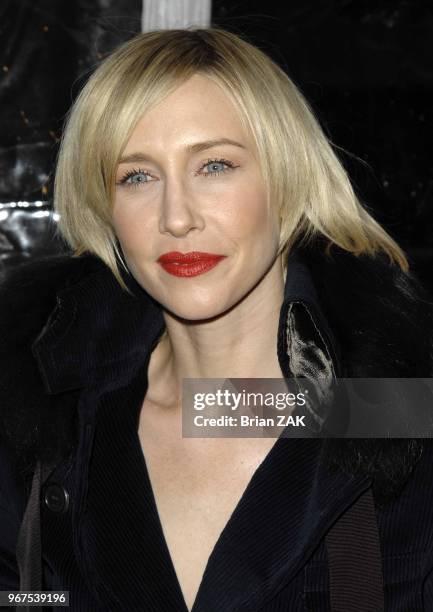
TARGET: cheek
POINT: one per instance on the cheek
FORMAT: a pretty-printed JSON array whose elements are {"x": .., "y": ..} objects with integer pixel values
[
  {"x": 130, "y": 227},
  {"x": 249, "y": 217}
]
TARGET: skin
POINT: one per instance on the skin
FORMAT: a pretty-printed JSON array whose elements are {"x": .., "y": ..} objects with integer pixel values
[{"x": 222, "y": 323}]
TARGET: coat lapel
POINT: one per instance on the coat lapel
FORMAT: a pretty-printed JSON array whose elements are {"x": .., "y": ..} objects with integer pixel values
[{"x": 285, "y": 511}]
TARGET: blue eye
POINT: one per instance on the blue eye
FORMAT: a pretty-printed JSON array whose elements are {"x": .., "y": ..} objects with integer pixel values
[
  {"x": 214, "y": 163},
  {"x": 135, "y": 178},
  {"x": 138, "y": 178}
]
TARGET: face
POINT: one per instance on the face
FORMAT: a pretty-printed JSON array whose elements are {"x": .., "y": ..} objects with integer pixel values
[{"x": 174, "y": 194}]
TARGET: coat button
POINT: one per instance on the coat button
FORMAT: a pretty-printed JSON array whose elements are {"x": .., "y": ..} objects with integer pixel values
[{"x": 56, "y": 498}]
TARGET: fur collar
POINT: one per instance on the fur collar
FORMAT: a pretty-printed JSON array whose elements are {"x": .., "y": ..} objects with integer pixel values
[{"x": 381, "y": 318}]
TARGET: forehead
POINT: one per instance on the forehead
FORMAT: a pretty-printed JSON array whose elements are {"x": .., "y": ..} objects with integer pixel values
[{"x": 196, "y": 108}]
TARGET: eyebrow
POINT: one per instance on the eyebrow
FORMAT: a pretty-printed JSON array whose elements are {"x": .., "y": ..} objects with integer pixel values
[{"x": 196, "y": 147}]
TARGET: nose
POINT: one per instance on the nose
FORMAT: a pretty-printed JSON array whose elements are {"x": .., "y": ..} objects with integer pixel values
[{"x": 179, "y": 212}]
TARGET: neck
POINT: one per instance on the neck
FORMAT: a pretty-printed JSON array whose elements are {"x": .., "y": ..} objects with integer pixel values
[{"x": 241, "y": 343}]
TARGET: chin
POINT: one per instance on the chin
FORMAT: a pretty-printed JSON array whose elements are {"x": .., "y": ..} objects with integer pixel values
[{"x": 191, "y": 309}]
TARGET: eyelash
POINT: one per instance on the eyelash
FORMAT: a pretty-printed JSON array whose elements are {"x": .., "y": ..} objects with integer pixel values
[{"x": 134, "y": 172}]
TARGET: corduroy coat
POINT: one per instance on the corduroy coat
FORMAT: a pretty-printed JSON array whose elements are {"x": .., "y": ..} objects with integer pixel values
[{"x": 74, "y": 353}]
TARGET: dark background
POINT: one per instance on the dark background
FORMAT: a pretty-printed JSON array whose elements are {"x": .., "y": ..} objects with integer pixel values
[{"x": 365, "y": 67}]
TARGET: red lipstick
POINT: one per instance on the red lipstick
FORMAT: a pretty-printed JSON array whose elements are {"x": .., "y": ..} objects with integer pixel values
[{"x": 189, "y": 264}]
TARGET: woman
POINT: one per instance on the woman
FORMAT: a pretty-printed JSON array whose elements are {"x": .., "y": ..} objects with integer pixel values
[{"x": 201, "y": 200}]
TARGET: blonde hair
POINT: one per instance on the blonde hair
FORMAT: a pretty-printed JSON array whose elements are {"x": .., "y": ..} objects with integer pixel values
[{"x": 304, "y": 177}]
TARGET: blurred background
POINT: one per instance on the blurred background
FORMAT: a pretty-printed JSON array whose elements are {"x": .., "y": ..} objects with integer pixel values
[{"x": 365, "y": 67}]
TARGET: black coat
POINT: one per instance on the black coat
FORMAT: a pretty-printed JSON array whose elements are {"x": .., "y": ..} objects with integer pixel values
[{"x": 74, "y": 346}]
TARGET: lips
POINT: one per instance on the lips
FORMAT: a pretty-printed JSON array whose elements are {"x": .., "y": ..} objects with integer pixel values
[{"x": 189, "y": 264}]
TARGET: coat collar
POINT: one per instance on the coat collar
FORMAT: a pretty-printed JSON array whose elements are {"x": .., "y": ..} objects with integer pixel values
[{"x": 124, "y": 328}]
